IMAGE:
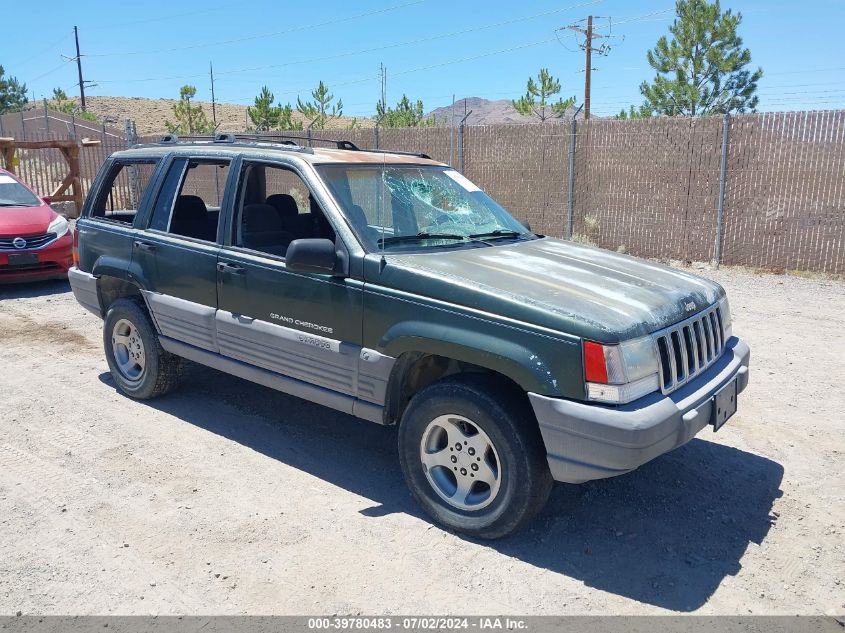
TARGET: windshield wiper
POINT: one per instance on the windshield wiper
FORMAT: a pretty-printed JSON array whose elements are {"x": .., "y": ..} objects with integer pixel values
[
  {"x": 498, "y": 233},
  {"x": 397, "y": 239}
]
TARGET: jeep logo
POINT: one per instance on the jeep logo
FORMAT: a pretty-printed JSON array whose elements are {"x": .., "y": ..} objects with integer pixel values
[{"x": 689, "y": 306}]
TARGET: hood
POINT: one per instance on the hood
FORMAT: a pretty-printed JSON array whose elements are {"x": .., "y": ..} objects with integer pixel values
[
  {"x": 23, "y": 221},
  {"x": 580, "y": 290}
]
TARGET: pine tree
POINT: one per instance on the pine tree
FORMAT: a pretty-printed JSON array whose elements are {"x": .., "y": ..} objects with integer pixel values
[
  {"x": 62, "y": 103},
  {"x": 641, "y": 112},
  {"x": 190, "y": 119},
  {"x": 286, "y": 121},
  {"x": 701, "y": 70},
  {"x": 321, "y": 110},
  {"x": 12, "y": 94},
  {"x": 536, "y": 100},
  {"x": 405, "y": 114},
  {"x": 264, "y": 116}
]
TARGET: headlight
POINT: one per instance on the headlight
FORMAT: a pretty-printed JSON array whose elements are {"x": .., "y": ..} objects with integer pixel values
[
  {"x": 59, "y": 226},
  {"x": 725, "y": 312},
  {"x": 621, "y": 373}
]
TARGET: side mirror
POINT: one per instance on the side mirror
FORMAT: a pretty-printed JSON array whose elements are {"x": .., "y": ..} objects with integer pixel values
[
  {"x": 46, "y": 199},
  {"x": 526, "y": 224},
  {"x": 312, "y": 255}
]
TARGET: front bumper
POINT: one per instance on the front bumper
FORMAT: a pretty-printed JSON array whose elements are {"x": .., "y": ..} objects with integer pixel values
[
  {"x": 590, "y": 441},
  {"x": 54, "y": 260}
]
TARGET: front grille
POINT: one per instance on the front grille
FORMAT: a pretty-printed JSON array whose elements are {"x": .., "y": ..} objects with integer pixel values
[
  {"x": 32, "y": 241},
  {"x": 689, "y": 347}
]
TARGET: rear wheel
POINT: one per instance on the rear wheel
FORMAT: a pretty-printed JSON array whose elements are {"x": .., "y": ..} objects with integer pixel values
[
  {"x": 139, "y": 365},
  {"x": 473, "y": 457}
]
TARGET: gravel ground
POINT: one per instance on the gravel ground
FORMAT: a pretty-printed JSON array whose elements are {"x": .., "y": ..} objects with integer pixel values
[{"x": 226, "y": 497}]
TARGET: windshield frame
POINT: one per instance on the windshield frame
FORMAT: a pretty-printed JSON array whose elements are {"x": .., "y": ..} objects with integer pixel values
[
  {"x": 36, "y": 200},
  {"x": 425, "y": 245}
]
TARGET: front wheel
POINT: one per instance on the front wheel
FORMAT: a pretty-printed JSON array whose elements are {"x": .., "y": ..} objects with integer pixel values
[
  {"x": 473, "y": 457},
  {"x": 139, "y": 365}
]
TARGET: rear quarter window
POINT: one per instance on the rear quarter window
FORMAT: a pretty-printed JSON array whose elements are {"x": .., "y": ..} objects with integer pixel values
[{"x": 121, "y": 194}]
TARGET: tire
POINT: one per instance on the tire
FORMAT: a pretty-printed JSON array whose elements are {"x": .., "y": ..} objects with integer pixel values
[
  {"x": 512, "y": 481},
  {"x": 140, "y": 367}
]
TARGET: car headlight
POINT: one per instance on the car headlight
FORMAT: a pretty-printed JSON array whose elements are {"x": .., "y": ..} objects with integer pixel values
[
  {"x": 59, "y": 226},
  {"x": 621, "y": 373},
  {"x": 725, "y": 312}
]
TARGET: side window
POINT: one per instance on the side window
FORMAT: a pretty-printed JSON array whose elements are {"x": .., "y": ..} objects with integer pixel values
[
  {"x": 274, "y": 208},
  {"x": 188, "y": 203},
  {"x": 121, "y": 194}
]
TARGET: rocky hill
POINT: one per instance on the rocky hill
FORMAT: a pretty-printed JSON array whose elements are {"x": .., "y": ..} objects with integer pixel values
[
  {"x": 150, "y": 115},
  {"x": 484, "y": 112}
]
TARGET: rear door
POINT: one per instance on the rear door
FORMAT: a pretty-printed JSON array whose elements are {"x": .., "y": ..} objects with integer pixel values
[
  {"x": 303, "y": 326},
  {"x": 177, "y": 251},
  {"x": 111, "y": 220}
]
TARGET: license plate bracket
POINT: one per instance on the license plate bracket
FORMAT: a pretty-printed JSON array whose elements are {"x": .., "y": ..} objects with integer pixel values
[
  {"x": 23, "y": 259},
  {"x": 724, "y": 405}
]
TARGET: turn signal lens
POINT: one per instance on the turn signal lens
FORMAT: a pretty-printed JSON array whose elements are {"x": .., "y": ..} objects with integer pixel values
[
  {"x": 620, "y": 373},
  {"x": 75, "y": 248},
  {"x": 595, "y": 368}
]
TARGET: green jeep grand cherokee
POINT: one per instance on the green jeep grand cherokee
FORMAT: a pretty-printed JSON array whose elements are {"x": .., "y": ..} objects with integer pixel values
[{"x": 388, "y": 286}]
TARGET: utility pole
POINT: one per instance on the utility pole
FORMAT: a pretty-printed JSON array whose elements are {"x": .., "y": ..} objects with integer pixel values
[
  {"x": 79, "y": 69},
  {"x": 587, "y": 46},
  {"x": 213, "y": 103},
  {"x": 382, "y": 71}
]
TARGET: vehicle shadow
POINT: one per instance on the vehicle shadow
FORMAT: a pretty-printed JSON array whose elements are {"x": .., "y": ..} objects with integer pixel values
[
  {"x": 666, "y": 534},
  {"x": 31, "y": 289}
]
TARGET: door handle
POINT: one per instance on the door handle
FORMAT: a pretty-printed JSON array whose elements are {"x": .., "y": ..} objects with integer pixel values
[
  {"x": 144, "y": 246},
  {"x": 233, "y": 269}
]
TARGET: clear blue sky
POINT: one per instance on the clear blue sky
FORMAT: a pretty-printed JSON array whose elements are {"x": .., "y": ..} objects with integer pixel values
[{"x": 431, "y": 48}]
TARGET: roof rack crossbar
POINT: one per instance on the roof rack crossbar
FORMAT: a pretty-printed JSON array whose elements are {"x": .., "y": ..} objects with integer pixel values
[{"x": 400, "y": 153}]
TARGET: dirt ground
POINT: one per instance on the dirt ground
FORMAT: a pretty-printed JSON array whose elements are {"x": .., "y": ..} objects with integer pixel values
[{"x": 226, "y": 497}]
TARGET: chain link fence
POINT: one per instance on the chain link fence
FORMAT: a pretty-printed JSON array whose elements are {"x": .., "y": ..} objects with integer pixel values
[{"x": 759, "y": 190}]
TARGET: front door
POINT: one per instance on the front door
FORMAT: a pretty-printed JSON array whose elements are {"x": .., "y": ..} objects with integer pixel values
[
  {"x": 177, "y": 251},
  {"x": 306, "y": 327}
]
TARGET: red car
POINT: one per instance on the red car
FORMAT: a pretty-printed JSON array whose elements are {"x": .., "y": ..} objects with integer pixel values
[{"x": 35, "y": 241}]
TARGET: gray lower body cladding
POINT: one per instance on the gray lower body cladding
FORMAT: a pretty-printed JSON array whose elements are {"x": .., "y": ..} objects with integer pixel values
[
  {"x": 292, "y": 386},
  {"x": 588, "y": 441},
  {"x": 333, "y": 373}
]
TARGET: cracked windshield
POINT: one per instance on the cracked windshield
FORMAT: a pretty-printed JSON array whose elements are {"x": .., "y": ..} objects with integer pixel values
[{"x": 409, "y": 208}]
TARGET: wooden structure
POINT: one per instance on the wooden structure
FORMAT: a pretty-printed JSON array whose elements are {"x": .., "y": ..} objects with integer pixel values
[{"x": 70, "y": 189}]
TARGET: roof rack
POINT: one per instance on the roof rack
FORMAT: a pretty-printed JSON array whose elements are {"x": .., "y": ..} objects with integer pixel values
[
  {"x": 229, "y": 138},
  {"x": 288, "y": 140}
]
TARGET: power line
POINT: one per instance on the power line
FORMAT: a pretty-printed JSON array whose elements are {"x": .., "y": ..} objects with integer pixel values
[
  {"x": 430, "y": 66},
  {"x": 155, "y": 19},
  {"x": 474, "y": 57},
  {"x": 263, "y": 35},
  {"x": 413, "y": 42},
  {"x": 51, "y": 71},
  {"x": 54, "y": 46},
  {"x": 346, "y": 54},
  {"x": 642, "y": 18}
]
